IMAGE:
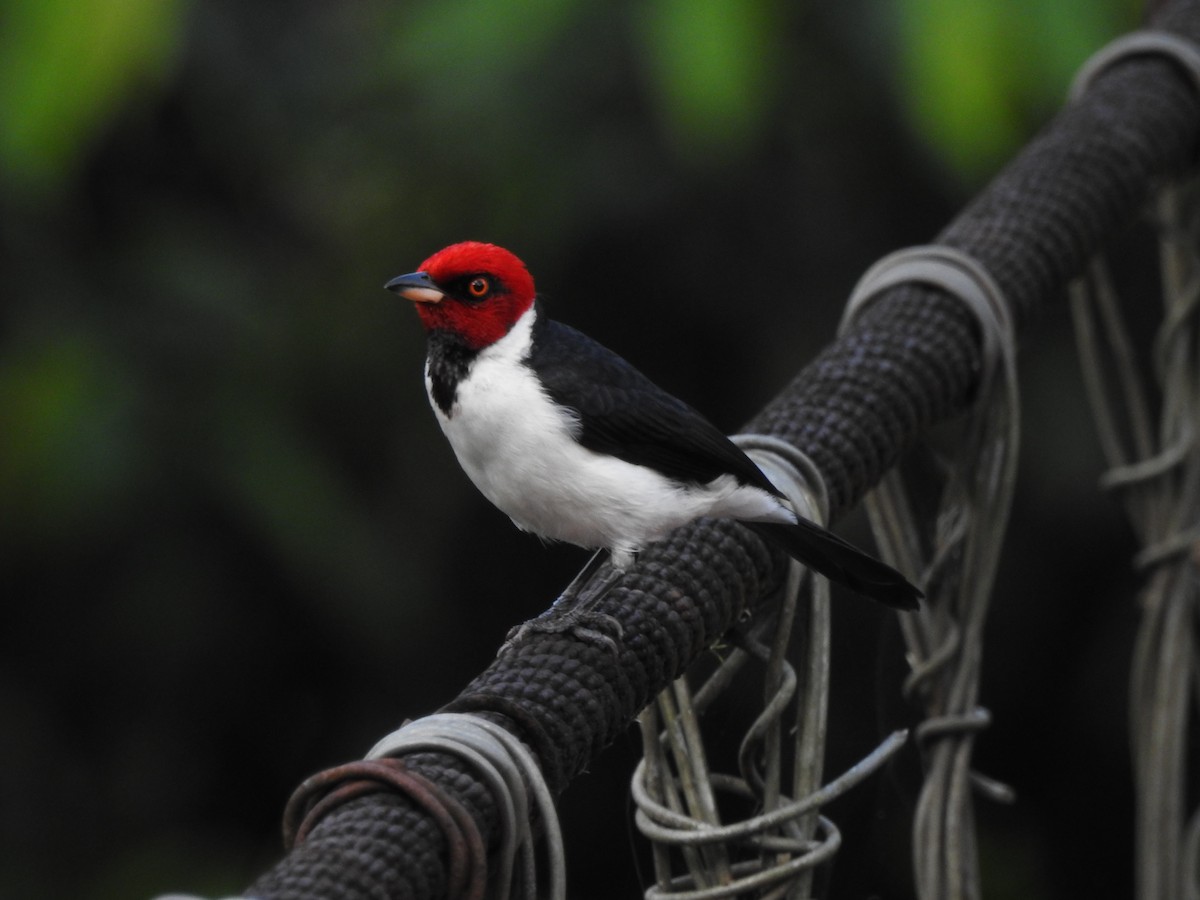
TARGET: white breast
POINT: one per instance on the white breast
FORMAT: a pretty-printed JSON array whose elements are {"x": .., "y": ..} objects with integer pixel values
[{"x": 521, "y": 452}]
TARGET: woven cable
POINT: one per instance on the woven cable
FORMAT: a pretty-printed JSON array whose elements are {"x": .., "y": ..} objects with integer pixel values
[
  {"x": 853, "y": 409},
  {"x": 1155, "y": 471},
  {"x": 676, "y": 797},
  {"x": 511, "y": 774},
  {"x": 321, "y": 794},
  {"x": 945, "y": 637},
  {"x": 1148, "y": 41}
]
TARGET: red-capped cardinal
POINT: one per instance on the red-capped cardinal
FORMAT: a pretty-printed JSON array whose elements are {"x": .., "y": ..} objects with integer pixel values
[{"x": 575, "y": 444}]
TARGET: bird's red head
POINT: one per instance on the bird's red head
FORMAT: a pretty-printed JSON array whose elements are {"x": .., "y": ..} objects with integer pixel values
[{"x": 476, "y": 291}]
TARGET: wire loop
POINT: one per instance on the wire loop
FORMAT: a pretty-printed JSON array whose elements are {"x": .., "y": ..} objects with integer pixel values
[
  {"x": 790, "y": 470},
  {"x": 1152, "y": 444},
  {"x": 949, "y": 270},
  {"x": 945, "y": 638},
  {"x": 1147, "y": 42},
  {"x": 512, "y": 774},
  {"x": 508, "y": 770},
  {"x": 777, "y": 850},
  {"x": 326, "y": 791}
]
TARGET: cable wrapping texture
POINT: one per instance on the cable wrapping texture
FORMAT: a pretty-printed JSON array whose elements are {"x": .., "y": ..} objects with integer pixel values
[
  {"x": 911, "y": 360},
  {"x": 958, "y": 564}
]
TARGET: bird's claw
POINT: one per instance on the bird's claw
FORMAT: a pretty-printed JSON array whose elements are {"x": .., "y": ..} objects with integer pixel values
[{"x": 590, "y": 627}]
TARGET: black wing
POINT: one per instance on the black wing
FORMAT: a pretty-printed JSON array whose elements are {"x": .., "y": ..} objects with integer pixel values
[{"x": 624, "y": 414}]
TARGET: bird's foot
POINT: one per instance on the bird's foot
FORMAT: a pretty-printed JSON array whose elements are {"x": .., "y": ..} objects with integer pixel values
[
  {"x": 573, "y": 613},
  {"x": 586, "y": 625}
]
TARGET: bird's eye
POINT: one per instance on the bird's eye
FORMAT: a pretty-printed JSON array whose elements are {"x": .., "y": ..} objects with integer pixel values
[{"x": 479, "y": 287}]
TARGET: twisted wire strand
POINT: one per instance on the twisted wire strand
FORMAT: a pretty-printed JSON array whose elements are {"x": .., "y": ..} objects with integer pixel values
[
  {"x": 691, "y": 785},
  {"x": 1155, "y": 471},
  {"x": 676, "y": 797},
  {"x": 945, "y": 638},
  {"x": 799, "y": 478},
  {"x": 666, "y": 825}
]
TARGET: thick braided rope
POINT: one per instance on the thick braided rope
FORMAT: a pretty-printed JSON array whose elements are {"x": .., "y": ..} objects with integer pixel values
[
  {"x": 911, "y": 360},
  {"x": 854, "y": 409},
  {"x": 513, "y": 777},
  {"x": 945, "y": 639}
]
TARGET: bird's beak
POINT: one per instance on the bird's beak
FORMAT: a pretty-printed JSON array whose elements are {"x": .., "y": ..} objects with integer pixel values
[{"x": 417, "y": 287}]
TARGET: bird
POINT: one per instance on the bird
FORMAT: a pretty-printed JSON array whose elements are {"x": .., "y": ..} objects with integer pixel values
[{"x": 574, "y": 444}]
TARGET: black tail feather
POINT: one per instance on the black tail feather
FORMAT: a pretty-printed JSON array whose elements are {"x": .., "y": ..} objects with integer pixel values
[{"x": 840, "y": 561}]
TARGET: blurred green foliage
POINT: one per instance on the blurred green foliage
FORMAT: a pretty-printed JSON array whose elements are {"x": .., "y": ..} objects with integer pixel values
[
  {"x": 69, "y": 447},
  {"x": 233, "y": 546},
  {"x": 66, "y": 69},
  {"x": 713, "y": 69},
  {"x": 972, "y": 73}
]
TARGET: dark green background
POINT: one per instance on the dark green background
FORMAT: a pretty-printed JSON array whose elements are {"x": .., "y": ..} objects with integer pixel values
[{"x": 234, "y": 547}]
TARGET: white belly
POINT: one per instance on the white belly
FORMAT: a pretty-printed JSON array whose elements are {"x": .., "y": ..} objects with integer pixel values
[{"x": 520, "y": 450}]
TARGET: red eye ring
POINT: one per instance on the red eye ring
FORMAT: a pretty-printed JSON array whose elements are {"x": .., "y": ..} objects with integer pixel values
[{"x": 479, "y": 287}]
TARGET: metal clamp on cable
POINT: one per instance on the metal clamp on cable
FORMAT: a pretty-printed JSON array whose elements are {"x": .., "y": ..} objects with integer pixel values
[{"x": 1149, "y": 42}]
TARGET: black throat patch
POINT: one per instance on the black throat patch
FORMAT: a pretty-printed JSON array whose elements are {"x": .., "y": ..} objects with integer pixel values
[{"x": 449, "y": 361}]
